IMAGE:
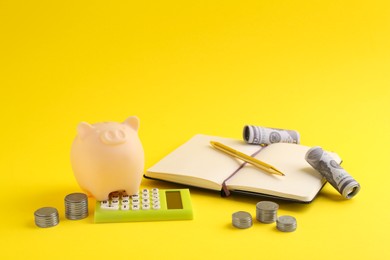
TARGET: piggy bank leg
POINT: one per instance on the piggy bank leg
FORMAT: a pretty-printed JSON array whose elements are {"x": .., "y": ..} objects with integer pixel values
[{"x": 131, "y": 192}]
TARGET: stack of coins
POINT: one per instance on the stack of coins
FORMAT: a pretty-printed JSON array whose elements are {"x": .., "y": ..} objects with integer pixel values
[
  {"x": 286, "y": 223},
  {"x": 46, "y": 217},
  {"x": 242, "y": 219},
  {"x": 76, "y": 206},
  {"x": 266, "y": 211}
]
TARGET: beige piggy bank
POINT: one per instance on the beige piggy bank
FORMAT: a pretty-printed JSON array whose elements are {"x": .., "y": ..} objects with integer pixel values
[{"x": 108, "y": 157}]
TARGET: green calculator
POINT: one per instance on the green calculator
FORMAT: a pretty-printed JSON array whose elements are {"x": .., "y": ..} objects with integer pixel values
[{"x": 147, "y": 205}]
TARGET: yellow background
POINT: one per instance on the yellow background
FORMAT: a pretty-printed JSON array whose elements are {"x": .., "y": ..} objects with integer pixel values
[{"x": 188, "y": 67}]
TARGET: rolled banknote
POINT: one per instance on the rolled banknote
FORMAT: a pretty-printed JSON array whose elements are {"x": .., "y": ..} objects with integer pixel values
[
  {"x": 332, "y": 172},
  {"x": 264, "y": 135}
]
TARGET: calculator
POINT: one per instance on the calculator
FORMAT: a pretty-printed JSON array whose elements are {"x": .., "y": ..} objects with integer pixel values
[{"x": 147, "y": 205}]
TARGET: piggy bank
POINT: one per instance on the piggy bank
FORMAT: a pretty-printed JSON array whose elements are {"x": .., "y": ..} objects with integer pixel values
[{"x": 108, "y": 157}]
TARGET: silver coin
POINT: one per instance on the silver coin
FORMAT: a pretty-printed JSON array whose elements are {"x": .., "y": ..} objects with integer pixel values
[
  {"x": 267, "y": 206},
  {"x": 76, "y": 197},
  {"x": 286, "y": 223},
  {"x": 76, "y": 206},
  {"x": 46, "y": 217},
  {"x": 242, "y": 219},
  {"x": 266, "y": 211}
]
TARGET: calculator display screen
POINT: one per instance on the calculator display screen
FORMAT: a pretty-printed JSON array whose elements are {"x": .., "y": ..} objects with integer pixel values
[{"x": 174, "y": 200}]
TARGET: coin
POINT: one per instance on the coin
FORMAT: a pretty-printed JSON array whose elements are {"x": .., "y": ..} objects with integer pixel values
[
  {"x": 46, "y": 217},
  {"x": 266, "y": 211},
  {"x": 286, "y": 223},
  {"x": 242, "y": 219},
  {"x": 76, "y": 206}
]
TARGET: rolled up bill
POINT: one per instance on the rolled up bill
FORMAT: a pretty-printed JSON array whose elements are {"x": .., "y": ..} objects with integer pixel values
[
  {"x": 332, "y": 172},
  {"x": 264, "y": 135}
]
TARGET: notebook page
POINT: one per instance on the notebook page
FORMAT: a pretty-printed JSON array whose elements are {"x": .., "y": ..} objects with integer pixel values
[{"x": 197, "y": 160}]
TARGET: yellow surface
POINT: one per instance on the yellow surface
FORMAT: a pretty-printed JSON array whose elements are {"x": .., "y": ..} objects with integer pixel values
[{"x": 188, "y": 67}]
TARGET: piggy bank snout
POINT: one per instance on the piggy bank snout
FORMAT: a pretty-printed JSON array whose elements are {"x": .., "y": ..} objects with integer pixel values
[{"x": 113, "y": 136}]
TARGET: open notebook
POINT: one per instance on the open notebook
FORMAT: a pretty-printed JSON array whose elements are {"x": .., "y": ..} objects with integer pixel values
[{"x": 197, "y": 163}]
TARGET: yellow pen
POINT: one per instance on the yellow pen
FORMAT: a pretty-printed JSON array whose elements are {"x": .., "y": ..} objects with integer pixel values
[{"x": 246, "y": 158}]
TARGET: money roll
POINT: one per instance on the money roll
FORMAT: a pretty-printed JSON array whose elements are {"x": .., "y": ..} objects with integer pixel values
[
  {"x": 332, "y": 172},
  {"x": 264, "y": 135}
]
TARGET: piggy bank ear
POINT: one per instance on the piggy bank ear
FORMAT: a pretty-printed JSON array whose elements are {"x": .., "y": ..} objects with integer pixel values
[
  {"x": 133, "y": 122},
  {"x": 83, "y": 129}
]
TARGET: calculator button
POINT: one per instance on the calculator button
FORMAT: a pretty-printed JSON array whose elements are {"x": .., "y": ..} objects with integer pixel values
[
  {"x": 125, "y": 197},
  {"x": 115, "y": 202},
  {"x": 115, "y": 197},
  {"x": 146, "y": 201},
  {"x": 135, "y": 207},
  {"x": 145, "y": 206},
  {"x": 105, "y": 206},
  {"x": 145, "y": 191},
  {"x": 135, "y": 201},
  {"x": 154, "y": 190},
  {"x": 125, "y": 202},
  {"x": 156, "y": 206},
  {"x": 145, "y": 196},
  {"x": 136, "y": 196},
  {"x": 110, "y": 207},
  {"x": 125, "y": 207},
  {"x": 104, "y": 203},
  {"x": 155, "y": 197}
]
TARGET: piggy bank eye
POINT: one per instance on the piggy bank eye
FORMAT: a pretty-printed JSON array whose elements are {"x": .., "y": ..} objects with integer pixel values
[
  {"x": 121, "y": 134},
  {"x": 112, "y": 137}
]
